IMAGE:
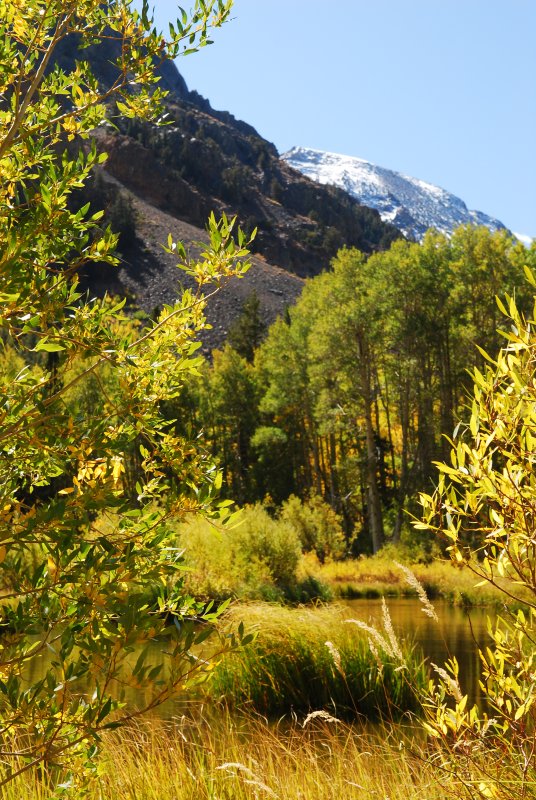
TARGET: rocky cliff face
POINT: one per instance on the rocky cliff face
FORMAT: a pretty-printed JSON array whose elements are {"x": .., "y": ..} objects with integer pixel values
[{"x": 207, "y": 161}]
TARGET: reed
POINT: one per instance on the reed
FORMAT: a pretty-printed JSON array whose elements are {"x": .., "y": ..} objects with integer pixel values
[{"x": 308, "y": 659}]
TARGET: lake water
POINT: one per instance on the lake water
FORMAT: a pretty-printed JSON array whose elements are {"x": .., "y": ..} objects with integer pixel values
[{"x": 458, "y": 633}]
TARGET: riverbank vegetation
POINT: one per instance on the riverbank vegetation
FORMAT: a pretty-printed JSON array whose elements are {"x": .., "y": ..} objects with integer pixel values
[
  {"x": 319, "y": 659},
  {"x": 273, "y": 555},
  {"x": 382, "y": 576},
  {"x": 117, "y": 439}
]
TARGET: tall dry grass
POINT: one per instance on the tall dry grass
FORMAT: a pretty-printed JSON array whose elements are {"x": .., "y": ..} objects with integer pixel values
[
  {"x": 379, "y": 576},
  {"x": 244, "y": 758}
]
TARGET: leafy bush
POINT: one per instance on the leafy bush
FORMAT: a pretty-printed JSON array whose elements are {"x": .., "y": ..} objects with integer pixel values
[
  {"x": 485, "y": 509},
  {"x": 318, "y": 526},
  {"x": 258, "y": 558},
  {"x": 76, "y": 589}
]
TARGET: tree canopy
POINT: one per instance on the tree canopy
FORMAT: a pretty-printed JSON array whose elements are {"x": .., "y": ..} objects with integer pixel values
[{"x": 349, "y": 396}]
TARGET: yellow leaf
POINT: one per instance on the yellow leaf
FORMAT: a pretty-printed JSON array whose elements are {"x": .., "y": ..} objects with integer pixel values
[
  {"x": 20, "y": 26},
  {"x": 118, "y": 468}
]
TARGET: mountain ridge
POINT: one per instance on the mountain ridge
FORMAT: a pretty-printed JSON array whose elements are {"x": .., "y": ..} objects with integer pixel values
[
  {"x": 411, "y": 204},
  {"x": 172, "y": 177}
]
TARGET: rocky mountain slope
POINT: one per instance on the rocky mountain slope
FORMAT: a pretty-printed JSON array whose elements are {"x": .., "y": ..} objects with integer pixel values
[
  {"x": 149, "y": 276},
  {"x": 172, "y": 177},
  {"x": 412, "y": 205}
]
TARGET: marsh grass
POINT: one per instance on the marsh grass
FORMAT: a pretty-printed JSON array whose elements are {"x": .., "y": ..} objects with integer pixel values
[
  {"x": 215, "y": 753},
  {"x": 313, "y": 658},
  {"x": 232, "y": 757},
  {"x": 379, "y": 576}
]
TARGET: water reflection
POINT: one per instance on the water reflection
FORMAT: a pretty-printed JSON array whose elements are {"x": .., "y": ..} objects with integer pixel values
[{"x": 458, "y": 633}]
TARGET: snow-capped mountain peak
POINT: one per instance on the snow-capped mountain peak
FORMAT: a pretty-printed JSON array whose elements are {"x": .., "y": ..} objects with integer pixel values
[{"x": 412, "y": 205}]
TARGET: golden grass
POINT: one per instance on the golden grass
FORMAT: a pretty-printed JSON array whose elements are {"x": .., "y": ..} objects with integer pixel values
[
  {"x": 238, "y": 758},
  {"x": 378, "y": 576}
]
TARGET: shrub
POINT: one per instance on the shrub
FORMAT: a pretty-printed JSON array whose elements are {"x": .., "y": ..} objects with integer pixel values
[
  {"x": 318, "y": 526},
  {"x": 485, "y": 509},
  {"x": 258, "y": 558},
  {"x": 74, "y": 588}
]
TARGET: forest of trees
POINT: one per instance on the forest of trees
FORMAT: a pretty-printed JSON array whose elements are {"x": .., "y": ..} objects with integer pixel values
[{"x": 352, "y": 395}]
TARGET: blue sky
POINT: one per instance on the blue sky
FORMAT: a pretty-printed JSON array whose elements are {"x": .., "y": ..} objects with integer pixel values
[{"x": 442, "y": 90}]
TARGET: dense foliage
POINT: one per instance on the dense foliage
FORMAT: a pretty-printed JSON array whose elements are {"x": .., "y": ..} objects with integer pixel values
[
  {"x": 485, "y": 509},
  {"x": 261, "y": 556},
  {"x": 90, "y": 468},
  {"x": 349, "y": 396}
]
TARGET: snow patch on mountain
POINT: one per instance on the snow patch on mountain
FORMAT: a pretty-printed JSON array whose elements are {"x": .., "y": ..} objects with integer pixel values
[
  {"x": 412, "y": 205},
  {"x": 526, "y": 240}
]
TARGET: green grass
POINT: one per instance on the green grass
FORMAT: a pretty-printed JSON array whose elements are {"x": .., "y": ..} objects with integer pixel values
[{"x": 312, "y": 658}]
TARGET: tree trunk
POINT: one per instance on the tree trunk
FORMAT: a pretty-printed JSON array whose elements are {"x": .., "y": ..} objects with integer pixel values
[{"x": 373, "y": 495}]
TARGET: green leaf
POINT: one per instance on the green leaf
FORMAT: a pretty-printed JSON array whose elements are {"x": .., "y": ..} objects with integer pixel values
[
  {"x": 105, "y": 710},
  {"x": 48, "y": 346}
]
